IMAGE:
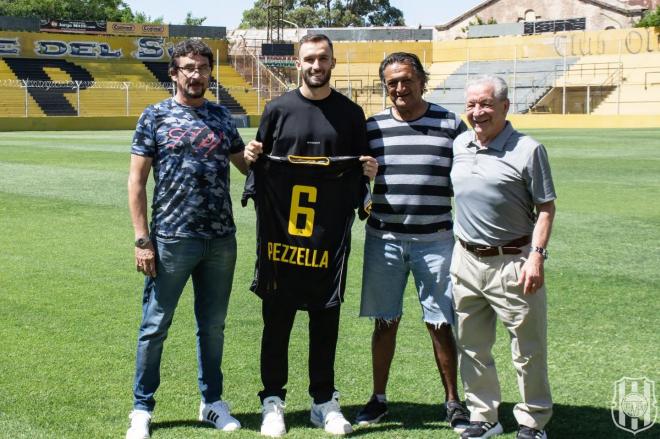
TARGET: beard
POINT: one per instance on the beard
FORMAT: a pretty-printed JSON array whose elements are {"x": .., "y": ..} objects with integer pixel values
[
  {"x": 189, "y": 92},
  {"x": 315, "y": 82}
]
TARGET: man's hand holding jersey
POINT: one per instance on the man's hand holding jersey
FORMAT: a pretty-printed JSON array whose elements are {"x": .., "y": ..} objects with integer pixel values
[
  {"x": 369, "y": 166},
  {"x": 254, "y": 149}
]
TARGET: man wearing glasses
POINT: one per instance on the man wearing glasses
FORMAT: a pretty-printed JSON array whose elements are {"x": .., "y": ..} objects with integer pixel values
[{"x": 189, "y": 142}]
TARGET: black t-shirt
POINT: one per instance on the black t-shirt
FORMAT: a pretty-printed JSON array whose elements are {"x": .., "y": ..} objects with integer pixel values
[{"x": 330, "y": 127}]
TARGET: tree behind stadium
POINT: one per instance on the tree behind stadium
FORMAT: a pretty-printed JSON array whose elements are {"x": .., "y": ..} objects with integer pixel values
[
  {"x": 91, "y": 10},
  {"x": 326, "y": 13},
  {"x": 651, "y": 18}
]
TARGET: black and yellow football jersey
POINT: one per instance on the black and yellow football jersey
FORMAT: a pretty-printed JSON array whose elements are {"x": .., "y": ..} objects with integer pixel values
[{"x": 305, "y": 210}]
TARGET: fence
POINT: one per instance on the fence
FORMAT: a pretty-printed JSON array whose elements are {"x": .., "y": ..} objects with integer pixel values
[
  {"x": 557, "y": 86},
  {"x": 93, "y": 98}
]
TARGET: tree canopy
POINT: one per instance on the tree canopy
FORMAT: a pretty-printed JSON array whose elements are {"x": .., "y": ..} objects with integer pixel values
[
  {"x": 90, "y": 10},
  {"x": 327, "y": 13},
  {"x": 650, "y": 19},
  {"x": 110, "y": 10},
  {"x": 193, "y": 21}
]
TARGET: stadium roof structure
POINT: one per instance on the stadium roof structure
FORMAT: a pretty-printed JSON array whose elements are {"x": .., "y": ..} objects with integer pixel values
[{"x": 637, "y": 7}]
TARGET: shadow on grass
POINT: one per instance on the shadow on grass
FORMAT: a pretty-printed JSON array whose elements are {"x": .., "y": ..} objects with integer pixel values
[{"x": 567, "y": 421}]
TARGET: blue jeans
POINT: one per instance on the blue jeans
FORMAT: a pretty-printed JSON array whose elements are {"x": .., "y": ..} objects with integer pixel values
[
  {"x": 387, "y": 264},
  {"x": 211, "y": 263}
]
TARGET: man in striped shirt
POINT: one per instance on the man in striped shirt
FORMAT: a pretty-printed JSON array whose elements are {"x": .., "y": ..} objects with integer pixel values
[{"x": 410, "y": 228}]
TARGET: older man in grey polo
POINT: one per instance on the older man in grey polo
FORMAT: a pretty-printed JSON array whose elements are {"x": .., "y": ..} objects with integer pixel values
[{"x": 504, "y": 199}]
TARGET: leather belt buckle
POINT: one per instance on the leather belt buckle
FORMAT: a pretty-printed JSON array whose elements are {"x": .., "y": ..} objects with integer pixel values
[{"x": 485, "y": 251}]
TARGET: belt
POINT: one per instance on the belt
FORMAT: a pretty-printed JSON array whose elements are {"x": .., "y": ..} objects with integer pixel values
[{"x": 510, "y": 248}]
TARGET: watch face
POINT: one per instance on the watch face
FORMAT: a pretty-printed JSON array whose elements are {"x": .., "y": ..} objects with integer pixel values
[
  {"x": 542, "y": 251},
  {"x": 141, "y": 242}
]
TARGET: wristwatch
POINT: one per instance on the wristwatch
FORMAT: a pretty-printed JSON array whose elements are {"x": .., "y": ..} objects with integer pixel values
[
  {"x": 541, "y": 250},
  {"x": 142, "y": 242}
]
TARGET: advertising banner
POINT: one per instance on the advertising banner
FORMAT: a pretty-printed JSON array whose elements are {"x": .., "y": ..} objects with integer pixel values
[
  {"x": 157, "y": 30},
  {"x": 97, "y": 47},
  {"x": 73, "y": 26}
]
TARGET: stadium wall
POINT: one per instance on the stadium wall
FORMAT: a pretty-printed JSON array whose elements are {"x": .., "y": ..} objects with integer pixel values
[
  {"x": 109, "y": 48},
  {"x": 65, "y": 123},
  {"x": 558, "y": 121},
  {"x": 375, "y": 51},
  {"x": 636, "y": 41}
]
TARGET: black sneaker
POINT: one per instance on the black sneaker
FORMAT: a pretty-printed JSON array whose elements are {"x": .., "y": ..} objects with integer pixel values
[
  {"x": 457, "y": 415},
  {"x": 372, "y": 412},
  {"x": 525, "y": 432},
  {"x": 482, "y": 430}
]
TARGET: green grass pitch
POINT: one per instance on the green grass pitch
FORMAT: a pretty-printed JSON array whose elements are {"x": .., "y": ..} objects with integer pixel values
[{"x": 70, "y": 301}]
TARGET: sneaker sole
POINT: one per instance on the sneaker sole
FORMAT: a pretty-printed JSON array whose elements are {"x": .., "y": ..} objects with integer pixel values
[
  {"x": 497, "y": 430},
  {"x": 460, "y": 428},
  {"x": 320, "y": 424},
  {"x": 316, "y": 422},
  {"x": 375, "y": 420},
  {"x": 227, "y": 428},
  {"x": 273, "y": 434}
]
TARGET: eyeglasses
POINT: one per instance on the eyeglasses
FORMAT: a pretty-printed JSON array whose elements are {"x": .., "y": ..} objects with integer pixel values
[{"x": 188, "y": 71}]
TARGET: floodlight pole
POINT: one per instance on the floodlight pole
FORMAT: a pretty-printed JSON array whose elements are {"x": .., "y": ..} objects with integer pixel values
[
  {"x": 78, "y": 98},
  {"x": 128, "y": 103},
  {"x": 563, "y": 97},
  {"x": 217, "y": 76},
  {"x": 27, "y": 99},
  {"x": 515, "y": 60},
  {"x": 618, "y": 92},
  {"x": 348, "y": 62},
  {"x": 383, "y": 86},
  {"x": 258, "y": 86},
  {"x": 467, "y": 74},
  {"x": 295, "y": 25}
]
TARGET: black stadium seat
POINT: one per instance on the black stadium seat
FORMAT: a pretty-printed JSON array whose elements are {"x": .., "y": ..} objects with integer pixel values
[
  {"x": 159, "y": 70},
  {"x": 51, "y": 101}
]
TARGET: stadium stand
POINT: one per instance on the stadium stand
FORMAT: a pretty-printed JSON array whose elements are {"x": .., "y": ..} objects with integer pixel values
[
  {"x": 59, "y": 98},
  {"x": 160, "y": 71},
  {"x": 14, "y": 96},
  {"x": 602, "y": 72},
  {"x": 532, "y": 80},
  {"x": 608, "y": 84},
  {"x": 91, "y": 75},
  {"x": 52, "y": 100}
]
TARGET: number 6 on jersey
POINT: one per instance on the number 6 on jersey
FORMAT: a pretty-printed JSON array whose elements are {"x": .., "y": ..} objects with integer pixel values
[{"x": 297, "y": 210}]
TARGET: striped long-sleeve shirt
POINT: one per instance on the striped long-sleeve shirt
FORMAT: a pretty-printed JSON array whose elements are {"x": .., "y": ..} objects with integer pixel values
[{"x": 412, "y": 191}]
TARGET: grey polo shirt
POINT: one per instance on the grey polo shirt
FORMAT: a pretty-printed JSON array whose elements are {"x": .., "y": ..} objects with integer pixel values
[{"x": 496, "y": 188}]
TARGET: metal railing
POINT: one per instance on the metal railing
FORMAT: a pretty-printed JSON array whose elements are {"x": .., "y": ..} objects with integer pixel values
[
  {"x": 608, "y": 87},
  {"x": 28, "y": 98},
  {"x": 262, "y": 77}
]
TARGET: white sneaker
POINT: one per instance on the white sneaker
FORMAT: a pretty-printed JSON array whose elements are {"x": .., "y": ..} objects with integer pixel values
[
  {"x": 272, "y": 417},
  {"x": 140, "y": 421},
  {"x": 217, "y": 414},
  {"x": 328, "y": 416}
]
